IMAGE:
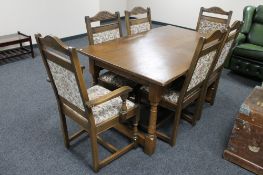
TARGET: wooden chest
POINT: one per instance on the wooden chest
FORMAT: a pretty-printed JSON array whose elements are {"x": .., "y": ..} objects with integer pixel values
[{"x": 245, "y": 147}]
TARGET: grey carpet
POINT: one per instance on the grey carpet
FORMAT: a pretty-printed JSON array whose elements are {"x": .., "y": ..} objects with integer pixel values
[{"x": 31, "y": 141}]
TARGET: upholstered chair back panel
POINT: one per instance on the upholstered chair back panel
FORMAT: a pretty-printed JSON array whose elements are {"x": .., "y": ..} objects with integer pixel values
[
  {"x": 139, "y": 28},
  {"x": 106, "y": 36},
  {"x": 224, "y": 54},
  {"x": 259, "y": 14},
  {"x": 207, "y": 26},
  {"x": 66, "y": 84},
  {"x": 255, "y": 36},
  {"x": 201, "y": 70}
]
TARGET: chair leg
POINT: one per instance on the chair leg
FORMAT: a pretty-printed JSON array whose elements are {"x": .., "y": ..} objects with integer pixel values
[
  {"x": 63, "y": 124},
  {"x": 211, "y": 92},
  {"x": 176, "y": 125},
  {"x": 199, "y": 108},
  {"x": 95, "y": 153},
  {"x": 214, "y": 91},
  {"x": 135, "y": 128}
]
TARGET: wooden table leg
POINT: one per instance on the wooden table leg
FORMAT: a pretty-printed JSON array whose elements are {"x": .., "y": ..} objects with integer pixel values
[
  {"x": 94, "y": 71},
  {"x": 150, "y": 139}
]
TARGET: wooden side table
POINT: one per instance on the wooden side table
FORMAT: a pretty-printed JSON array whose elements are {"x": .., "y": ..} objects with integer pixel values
[
  {"x": 13, "y": 39},
  {"x": 245, "y": 147}
]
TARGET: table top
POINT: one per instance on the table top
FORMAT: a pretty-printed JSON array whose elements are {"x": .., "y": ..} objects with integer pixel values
[
  {"x": 12, "y": 38},
  {"x": 158, "y": 56}
]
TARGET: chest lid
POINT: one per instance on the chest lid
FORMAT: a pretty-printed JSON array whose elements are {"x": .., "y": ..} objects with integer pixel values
[{"x": 252, "y": 108}]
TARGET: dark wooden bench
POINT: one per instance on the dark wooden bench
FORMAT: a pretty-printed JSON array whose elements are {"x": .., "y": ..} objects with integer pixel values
[{"x": 14, "y": 39}]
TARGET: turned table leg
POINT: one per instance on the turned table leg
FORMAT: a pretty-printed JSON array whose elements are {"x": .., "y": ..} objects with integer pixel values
[{"x": 150, "y": 139}]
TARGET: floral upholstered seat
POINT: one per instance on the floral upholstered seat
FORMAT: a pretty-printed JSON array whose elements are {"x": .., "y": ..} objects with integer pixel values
[
  {"x": 109, "y": 109},
  {"x": 171, "y": 95},
  {"x": 116, "y": 80}
]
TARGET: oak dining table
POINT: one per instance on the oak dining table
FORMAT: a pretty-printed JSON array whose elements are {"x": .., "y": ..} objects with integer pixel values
[{"x": 154, "y": 58}]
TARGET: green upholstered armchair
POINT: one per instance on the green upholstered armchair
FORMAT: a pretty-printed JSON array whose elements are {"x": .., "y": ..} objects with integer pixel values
[{"x": 247, "y": 54}]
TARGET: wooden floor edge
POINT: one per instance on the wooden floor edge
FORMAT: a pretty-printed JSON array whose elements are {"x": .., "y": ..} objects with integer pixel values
[{"x": 244, "y": 163}]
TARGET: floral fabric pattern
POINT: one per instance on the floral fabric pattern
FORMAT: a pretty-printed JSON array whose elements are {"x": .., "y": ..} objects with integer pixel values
[
  {"x": 66, "y": 84},
  {"x": 106, "y": 36},
  {"x": 171, "y": 95},
  {"x": 116, "y": 80},
  {"x": 224, "y": 54},
  {"x": 206, "y": 26},
  {"x": 109, "y": 109},
  {"x": 139, "y": 28},
  {"x": 201, "y": 70}
]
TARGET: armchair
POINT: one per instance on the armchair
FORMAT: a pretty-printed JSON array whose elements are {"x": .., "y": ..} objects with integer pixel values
[
  {"x": 247, "y": 54},
  {"x": 95, "y": 109}
]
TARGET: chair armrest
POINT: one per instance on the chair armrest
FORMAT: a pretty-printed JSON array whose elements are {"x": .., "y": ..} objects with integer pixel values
[
  {"x": 122, "y": 91},
  {"x": 241, "y": 38}
]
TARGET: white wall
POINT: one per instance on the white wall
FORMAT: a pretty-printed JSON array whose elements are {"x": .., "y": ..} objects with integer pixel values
[
  {"x": 114, "y": 5},
  {"x": 185, "y": 12},
  {"x": 65, "y": 18},
  {"x": 62, "y": 18}
]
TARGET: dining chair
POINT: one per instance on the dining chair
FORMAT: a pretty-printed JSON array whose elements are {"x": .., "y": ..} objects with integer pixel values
[
  {"x": 95, "y": 110},
  {"x": 211, "y": 19},
  {"x": 138, "y": 20},
  {"x": 108, "y": 30},
  {"x": 229, "y": 43},
  {"x": 177, "y": 97}
]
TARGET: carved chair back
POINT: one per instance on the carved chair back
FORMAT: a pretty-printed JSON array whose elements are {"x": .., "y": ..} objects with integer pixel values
[
  {"x": 232, "y": 34},
  {"x": 135, "y": 23},
  {"x": 209, "y": 21},
  {"x": 104, "y": 32},
  {"x": 64, "y": 71},
  {"x": 203, "y": 62}
]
